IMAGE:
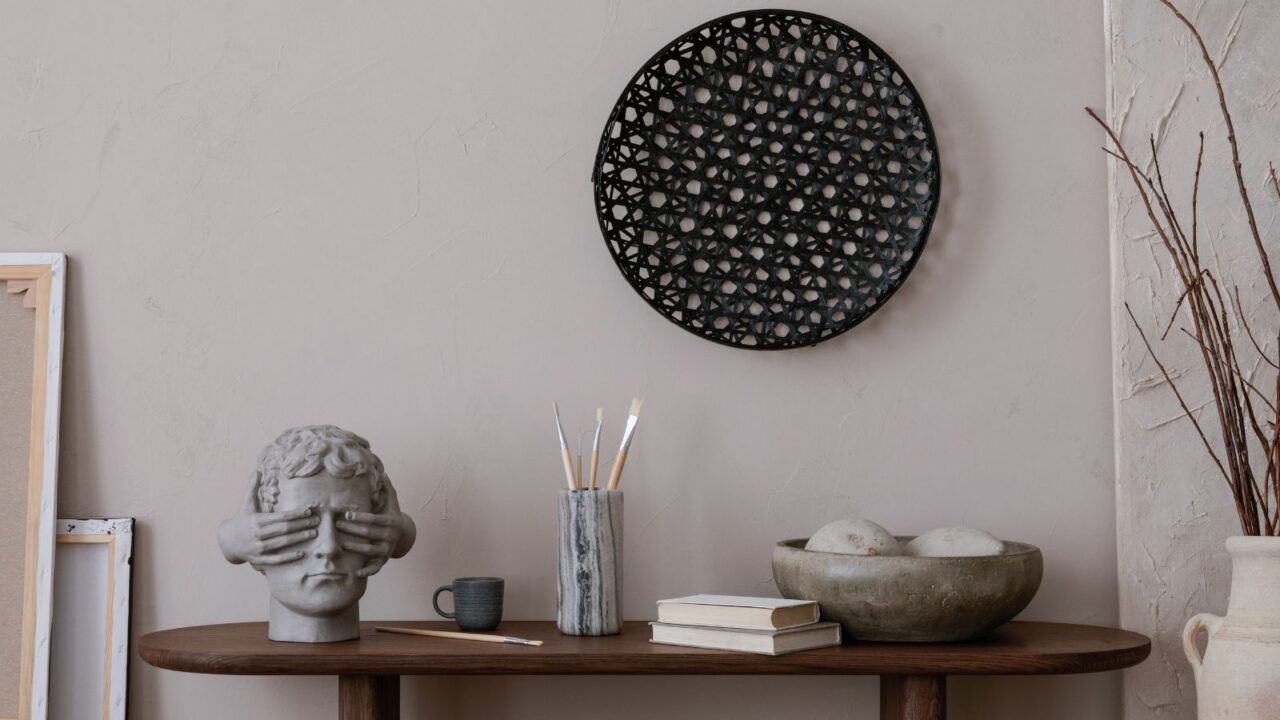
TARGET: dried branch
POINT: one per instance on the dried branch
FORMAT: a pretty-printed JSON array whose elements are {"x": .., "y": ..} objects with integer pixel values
[
  {"x": 1195, "y": 198},
  {"x": 1235, "y": 152},
  {"x": 1173, "y": 315},
  {"x": 1247, "y": 449},
  {"x": 1173, "y": 385},
  {"x": 1244, "y": 322}
]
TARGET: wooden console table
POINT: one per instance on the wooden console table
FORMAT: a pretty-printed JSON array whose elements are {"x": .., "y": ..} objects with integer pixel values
[{"x": 912, "y": 676}]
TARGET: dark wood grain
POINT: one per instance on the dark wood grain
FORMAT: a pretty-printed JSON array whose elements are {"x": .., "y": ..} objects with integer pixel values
[
  {"x": 913, "y": 697},
  {"x": 369, "y": 697},
  {"x": 1019, "y": 648}
]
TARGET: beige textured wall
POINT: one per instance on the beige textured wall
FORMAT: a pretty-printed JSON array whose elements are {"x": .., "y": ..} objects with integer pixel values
[
  {"x": 379, "y": 215},
  {"x": 1173, "y": 509}
]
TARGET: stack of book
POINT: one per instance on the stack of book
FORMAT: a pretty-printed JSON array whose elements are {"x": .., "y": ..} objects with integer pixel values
[{"x": 767, "y": 626}]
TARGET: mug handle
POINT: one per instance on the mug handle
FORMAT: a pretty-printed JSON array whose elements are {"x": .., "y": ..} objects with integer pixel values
[
  {"x": 435, "y": 601},
  {"x": 1204, "y": 621}
]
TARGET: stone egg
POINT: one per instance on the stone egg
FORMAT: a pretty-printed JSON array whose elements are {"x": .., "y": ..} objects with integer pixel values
[
  {"x": 955, "y": 542},
  {"x": 854, "y": 536}
]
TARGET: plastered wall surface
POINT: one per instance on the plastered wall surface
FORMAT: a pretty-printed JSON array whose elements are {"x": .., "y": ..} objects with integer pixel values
[
  {"x": 1173, "y": 509},
  {"x": 379, "y": 215}
]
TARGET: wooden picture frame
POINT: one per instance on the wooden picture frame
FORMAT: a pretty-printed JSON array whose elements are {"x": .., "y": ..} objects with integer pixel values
[
  {"x": 91, "y": 593},
  {"x": 31, "y": 323}
]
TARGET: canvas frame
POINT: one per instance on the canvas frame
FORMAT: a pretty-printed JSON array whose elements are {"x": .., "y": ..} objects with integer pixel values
[
  {"x": 117, "y": 535},
  {"x": 41, "y": 279}
]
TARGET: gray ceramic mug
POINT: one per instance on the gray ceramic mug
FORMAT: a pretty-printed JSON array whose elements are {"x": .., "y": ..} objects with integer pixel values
[{"x": 477, "y": 602}]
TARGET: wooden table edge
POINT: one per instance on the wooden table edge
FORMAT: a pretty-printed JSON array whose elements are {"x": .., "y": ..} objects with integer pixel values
[
  {"x": 262, "y": 665},
  {"x": 913, "y": 678},
  {"x": 696, "y": 662}
]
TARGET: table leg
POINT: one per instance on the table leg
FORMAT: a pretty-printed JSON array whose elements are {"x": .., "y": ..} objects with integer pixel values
[
  {"x": 913, "y": 697},
  {"x": 369, "y": 697}
]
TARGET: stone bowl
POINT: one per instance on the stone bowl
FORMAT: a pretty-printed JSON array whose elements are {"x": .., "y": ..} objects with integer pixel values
[{"x": 898, "y": 598}]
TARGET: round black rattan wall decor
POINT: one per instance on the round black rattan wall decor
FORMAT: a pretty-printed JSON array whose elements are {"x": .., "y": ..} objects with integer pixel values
[{"x": 768, "y": 179}]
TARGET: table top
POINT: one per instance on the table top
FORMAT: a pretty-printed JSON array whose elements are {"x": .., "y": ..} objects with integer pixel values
[{"x": 1019, "y": 648}]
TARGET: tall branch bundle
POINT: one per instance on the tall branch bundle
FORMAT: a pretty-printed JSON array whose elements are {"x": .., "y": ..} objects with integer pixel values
[{"x": 1248, "y": 451}]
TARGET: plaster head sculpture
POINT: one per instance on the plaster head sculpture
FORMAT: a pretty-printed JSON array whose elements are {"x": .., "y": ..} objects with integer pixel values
[{"x": 319, "y": 518}]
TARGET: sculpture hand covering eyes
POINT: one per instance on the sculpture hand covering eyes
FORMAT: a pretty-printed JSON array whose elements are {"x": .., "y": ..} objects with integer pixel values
[{"x": 319, "y": 517}]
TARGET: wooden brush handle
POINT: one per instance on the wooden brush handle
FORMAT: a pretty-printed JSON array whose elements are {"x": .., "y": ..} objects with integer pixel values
[
  {"x": 569, "y": 475},
  {"x": 615, "y": 476},
  {"x": 442, "y": 634},
  {"x": 595, "y": 466},
  {"x": 450, "y": 635}
]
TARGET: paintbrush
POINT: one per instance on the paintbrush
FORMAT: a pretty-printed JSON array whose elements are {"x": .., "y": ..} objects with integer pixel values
[
  {"x": 460, "y": 636},
  {"x": 595, "y": 447},
  {"x": 569, "y": 477},
  {"x": 579, "y": 473},
  {"x": 616, "y": 475}
]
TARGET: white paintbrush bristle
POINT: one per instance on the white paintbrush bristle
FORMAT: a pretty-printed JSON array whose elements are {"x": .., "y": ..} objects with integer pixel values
[
  {"x": 564, "y": 443},
  {"x": 636, "y": 404},
  {"x": 599, "y": 415}
]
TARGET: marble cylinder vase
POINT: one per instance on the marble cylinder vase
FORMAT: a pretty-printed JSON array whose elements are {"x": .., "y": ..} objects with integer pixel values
[{"x": 589, "y": 586}]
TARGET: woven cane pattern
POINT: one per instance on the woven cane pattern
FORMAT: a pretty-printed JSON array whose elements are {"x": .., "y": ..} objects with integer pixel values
[{"x": 768, "y": 179}]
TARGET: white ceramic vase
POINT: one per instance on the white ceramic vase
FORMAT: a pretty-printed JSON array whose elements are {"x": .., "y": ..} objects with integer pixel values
[{"x": 1239, "y": 676}]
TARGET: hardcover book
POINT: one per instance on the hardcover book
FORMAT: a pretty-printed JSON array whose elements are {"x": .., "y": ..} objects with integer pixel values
[
  {"x": 729, "y": 611},
  {"x": 761, "y": 642}
]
